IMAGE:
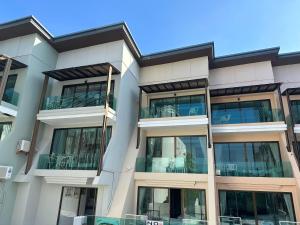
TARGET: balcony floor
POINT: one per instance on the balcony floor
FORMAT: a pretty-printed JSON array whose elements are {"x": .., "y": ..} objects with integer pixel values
[{"x": 75, "y": 116}]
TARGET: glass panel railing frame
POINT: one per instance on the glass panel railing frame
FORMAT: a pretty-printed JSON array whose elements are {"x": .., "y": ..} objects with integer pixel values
[
  {"x": 171, "y": 165},
  {"x": 254, "y": 169},
  {"x": 78, "y": 100},
  {"x": 82, "y": 161}
]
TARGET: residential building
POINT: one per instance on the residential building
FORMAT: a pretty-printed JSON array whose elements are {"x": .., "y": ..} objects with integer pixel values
[{"x": 180, "y": 136}]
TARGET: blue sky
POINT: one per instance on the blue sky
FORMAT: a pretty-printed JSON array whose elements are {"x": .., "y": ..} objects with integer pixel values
[{"x": 157, "y": 25}]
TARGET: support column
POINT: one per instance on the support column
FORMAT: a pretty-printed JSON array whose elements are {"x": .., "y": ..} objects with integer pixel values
[
  {"x": 5, "y": 77},
  {"x": 138, "y": 139},
  {"x": 36, "y": 127},
  {"x": 211, "y": 183},
  {"x": 104, "y": 122},
  {"x": 288, "y": 146}
]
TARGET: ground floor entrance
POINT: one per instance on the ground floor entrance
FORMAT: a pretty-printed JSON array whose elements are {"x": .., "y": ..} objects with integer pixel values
[
  {"x": 174, "y": 203},
  {"x": 74, "y": 202},
  {"x": 256, "y": 208}
]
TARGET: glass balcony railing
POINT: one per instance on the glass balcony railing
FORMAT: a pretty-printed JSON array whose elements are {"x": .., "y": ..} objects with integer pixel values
[
  {"x": 254, "y": 169},
  {"x": 78, "y": 100},
  {"x": 173, "y": 111},
  {"x": 139, "y": 220},
  {"x": 171, "y": 165},
  {"x": 11, "y": 97},
  {"x": 82, "y": 161},
  {"x": 246, "y": 115}
]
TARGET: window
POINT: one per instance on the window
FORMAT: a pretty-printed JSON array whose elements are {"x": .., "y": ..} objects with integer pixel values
[
  {"x": 9, "y": 88},
  {"x": 178, "y": 106},
  {"x": 257, "y": 207},
  {"x": 295, "y": 107},
  {"x": 76, "y": 201},
  {"x": 163, "y": 203},
  {"x": 78, "y": 140},
  {"x": 249, "y": 159},
  {"x": 242, "y": 112},
  {"x": 87, "y": 94},
  {"x": 181, "y": 154},
  {"x": 5, "y": 128}
]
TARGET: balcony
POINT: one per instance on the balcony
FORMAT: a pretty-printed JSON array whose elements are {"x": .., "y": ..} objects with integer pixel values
[
  {"x": 254, "y": 169},
  {"x": 81, "y": 108},
  {"x": 82, "y": 161},
  {"x": 248, "y": 116},
  {"x": 180, "y": 103},
  {"x": 172, "y": 165}
]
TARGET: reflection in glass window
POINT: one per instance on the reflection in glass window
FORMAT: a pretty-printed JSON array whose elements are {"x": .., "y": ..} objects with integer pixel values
[
  {"x": 182, "y": 154},
  {"x": 295, "y": 107},
  {"x": 249, "y": 159},
  {"x": 5, "y": 129},
  {"x": 178, "y": 106},
  {"x": 257, "y": 207},
  {"x": 163, "y": 203},
  {"x": 76, "y": 202},
  {"x": 242, "y": 112}
]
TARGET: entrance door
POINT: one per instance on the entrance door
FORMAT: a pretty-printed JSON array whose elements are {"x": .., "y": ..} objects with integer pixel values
[
  {"x": 76, "y": 202},
  {"x": 175, "y": 203}
]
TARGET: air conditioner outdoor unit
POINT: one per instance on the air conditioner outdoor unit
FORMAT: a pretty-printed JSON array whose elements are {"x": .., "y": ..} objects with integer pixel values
[
  {"x": 23, "y": 146},
  {"x": 5, "y": 172}
]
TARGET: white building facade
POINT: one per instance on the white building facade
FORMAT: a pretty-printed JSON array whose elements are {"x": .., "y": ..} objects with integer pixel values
[{"x": 180, "y": 137}]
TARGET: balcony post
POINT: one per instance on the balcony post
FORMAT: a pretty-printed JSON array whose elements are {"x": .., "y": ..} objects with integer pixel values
[
  {"x": 104, "y": 122},
  {"x": 208, "y": 113},
  {"x": 36, "y": 127},
  {"x": 283, "y": 114},
  {"x": 139, "y": 117},
  {"x": 5, "y": 77},
  {"x": 295, "y": 143}
]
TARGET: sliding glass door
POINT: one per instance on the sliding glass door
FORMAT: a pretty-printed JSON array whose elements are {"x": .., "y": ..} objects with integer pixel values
[
  {"x": 76, "y": 201},
  {"x": 243, "y": 112},
  {"x": 181, "y": 154},
  {"x": 257, "y": 208},
  {"x": 257, "y": 159},
  {"x": 163, "y": 203}
]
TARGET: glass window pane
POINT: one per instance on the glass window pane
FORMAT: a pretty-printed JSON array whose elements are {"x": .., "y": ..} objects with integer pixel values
[
  {"x": 198, "y": 106},
  {"x": 183, "y": 106},
  {"x": 194, "y": 204},
  {"x": 161, "y": 202},
  {"x": 145, "y": 201}
]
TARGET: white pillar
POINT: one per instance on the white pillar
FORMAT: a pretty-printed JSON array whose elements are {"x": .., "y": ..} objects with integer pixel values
[{"x": 211, "y": 189}]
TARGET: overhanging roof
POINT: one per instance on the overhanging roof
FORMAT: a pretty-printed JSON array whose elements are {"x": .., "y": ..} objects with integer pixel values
[
  {"x": 120, "y": 31},
  {"x": 14, "y": 65},
  {"x": 269, "y": 54},
  {"x": 175, "y": 86},
  {"x": 244, "y": 89},
  {"x": 81, "y": 72},
  {"x": 292, "y": 91},
  {"x": 179, "y": 54}
]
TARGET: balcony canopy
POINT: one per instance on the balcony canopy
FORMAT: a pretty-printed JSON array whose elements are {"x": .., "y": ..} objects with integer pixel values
[
  {"x": 244, "y": 89},
  {"x": 292, "y": 91},
  {"x": 72, "y": 73},
  {"x": 14, "y": 65},
  {"x": 175, "y": 86}
]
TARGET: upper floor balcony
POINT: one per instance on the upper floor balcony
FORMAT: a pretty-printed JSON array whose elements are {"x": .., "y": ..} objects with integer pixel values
[
  {"x": 181, "y": 103},
  {"x": 251, "y": 159},
  {"x": 9, "y": 97},
  {"x": 74, "y": 149},
  {"x": 181, "y": 154},
  {"x": 81, "y": 101},
  {"x": 247, "y": 109}
]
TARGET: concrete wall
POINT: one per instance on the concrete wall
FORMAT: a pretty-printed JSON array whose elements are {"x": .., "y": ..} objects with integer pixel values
[
  {"x": 288, "y": 75},
  {"x": 39, "y": 56},
  {"x": 241, "y": 75},
  {"x": 183, "y": 70}
]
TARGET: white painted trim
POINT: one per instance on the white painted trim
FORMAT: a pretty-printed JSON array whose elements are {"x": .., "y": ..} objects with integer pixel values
[
  {"x": 71, "y": 177},
  {"x": 5, "y": 109},
  {"x": 79, "y": 115},
  {"x": 262, "y": 127},
  {"x": 297, "y": 128},
  {"x": 173, "y": 121}
]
